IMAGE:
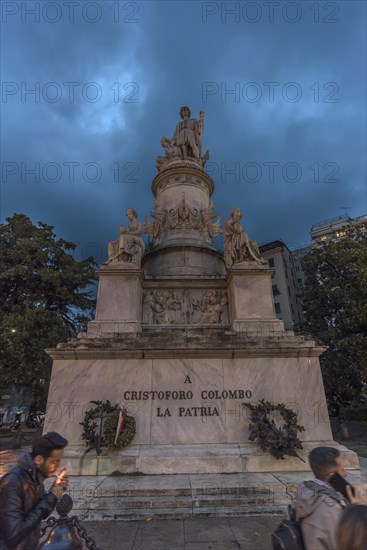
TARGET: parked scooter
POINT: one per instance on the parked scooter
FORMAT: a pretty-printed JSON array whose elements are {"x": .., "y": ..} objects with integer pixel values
[
  {"x": 36, "y": 420},
  {"x": 17, "y": 421}
]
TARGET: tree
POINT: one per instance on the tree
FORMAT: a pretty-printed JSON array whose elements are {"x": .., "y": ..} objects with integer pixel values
[
  {"x": 45, "y": 297},
  {"x": 334, "y": 301}
]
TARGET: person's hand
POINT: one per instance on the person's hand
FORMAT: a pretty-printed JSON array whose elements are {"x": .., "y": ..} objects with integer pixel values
[
  {"x": 358, "y": 497},
  {"x": 60, "y": 485},
  {"x": 64, "y": 482},
  {"x": 57, "y": 490}
]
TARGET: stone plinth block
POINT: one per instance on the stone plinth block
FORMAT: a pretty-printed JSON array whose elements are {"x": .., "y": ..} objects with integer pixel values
[
  {"x": 119, "y": 299},
  {"x": 250, "y": 291}
]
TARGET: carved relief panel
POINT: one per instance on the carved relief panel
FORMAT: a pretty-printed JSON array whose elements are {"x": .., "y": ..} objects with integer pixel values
[{"x": 185, "y": 307}]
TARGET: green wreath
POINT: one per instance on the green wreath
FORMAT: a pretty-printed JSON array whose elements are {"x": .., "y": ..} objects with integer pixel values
[
  {"x": 109, "y": 414},
  {"x": 278, "y": 441},
  {"x": 127, "y": 433}
]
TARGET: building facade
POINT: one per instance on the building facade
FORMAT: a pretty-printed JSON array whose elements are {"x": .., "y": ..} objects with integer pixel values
[
  {"x": 335, "y": 229},
  {"x": 286, "y": 292}
]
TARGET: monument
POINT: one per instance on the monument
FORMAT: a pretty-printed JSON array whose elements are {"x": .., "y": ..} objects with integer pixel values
[{"x": 183, "y": 335}]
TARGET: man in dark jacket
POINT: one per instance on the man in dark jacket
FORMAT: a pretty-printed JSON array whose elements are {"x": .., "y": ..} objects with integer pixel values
[{"x": 23, "y": 500}]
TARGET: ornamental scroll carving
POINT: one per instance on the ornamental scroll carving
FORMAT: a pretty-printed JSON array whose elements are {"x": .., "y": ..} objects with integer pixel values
[
  {"x": 188, "y": 307},
  {"x": 183, "y": 217}
]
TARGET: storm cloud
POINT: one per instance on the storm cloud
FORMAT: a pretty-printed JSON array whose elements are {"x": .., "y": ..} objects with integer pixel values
[{"x": 89, "y": 89}]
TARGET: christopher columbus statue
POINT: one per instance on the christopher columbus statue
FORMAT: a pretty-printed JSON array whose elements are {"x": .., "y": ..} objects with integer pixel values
[
  {"x": 188, "y": 134},
  {"x": 186, "y": 141}
]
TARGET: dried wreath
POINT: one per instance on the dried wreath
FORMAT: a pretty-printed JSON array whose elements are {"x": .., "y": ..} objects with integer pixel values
[{"x": 278, "y": 441}]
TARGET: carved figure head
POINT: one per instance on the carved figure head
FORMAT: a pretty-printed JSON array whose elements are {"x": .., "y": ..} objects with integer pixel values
[
  {"x": 236, "y": 213},
  {"x": 185, "y": 112},
  {"x": 165, "y": 142},
  {"x": 131, "y": 213}
]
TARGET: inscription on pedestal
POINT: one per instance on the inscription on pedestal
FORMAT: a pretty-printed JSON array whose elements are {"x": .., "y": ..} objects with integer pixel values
[{"x": 181, "y": 395}]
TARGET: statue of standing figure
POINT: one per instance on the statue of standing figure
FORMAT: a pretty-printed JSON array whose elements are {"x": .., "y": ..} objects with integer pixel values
[
  {"x": 238, "y": 247},
  {"x": 188, "y": 134},
  {"x": 186, "y": 141},
  {"x": 129, "y": 247}
]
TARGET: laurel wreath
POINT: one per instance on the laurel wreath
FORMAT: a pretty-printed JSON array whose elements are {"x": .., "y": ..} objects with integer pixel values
[
  {"x": 110, "y": 417},
  {"x": 279, "y": 441},
  {"x": 127, "y": 433}
]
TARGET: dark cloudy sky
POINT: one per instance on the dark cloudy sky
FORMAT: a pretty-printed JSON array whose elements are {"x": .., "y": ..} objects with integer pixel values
[{"x": 282, "y": 84}]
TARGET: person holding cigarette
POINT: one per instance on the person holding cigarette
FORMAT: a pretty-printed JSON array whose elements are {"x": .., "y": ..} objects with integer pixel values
[{"x": 24, "y": 502}]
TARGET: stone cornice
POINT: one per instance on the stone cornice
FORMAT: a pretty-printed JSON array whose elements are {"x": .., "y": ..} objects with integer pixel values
[
  {"x": 249, "y": 268},
  {"x": 83, "y": 352},
  {"x": 164, "y": 283},
  {"x": 116, "y": 268}
]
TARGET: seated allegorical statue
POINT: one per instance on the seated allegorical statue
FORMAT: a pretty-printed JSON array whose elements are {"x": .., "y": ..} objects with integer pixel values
[
  {"x": 129, "y": 247},
  {"x": 238, "y": 247}
]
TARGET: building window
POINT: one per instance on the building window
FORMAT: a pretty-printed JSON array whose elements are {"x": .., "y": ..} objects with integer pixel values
[
  {"x": 289, "y": 291},
  {"x": 271, "y": 262},
  {"x": 276, "y": 290},
  {"x": 277, "y": 308},
  {"x": 299, "y": 281},
  {"x": 297, "y": 268}
]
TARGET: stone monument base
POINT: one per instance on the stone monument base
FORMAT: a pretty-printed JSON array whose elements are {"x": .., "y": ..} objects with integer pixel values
[
  {"x": 192, "y": 459},
  {"x": 186, "y": 389}
]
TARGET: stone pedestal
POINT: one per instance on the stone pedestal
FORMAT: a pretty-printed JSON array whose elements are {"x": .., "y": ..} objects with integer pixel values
[
  {"x": 182, "y": 338},
  {"x": 250, "y": 292},
  {"x": 119, "y": 299},
  {"x": 186, "y": 389}
]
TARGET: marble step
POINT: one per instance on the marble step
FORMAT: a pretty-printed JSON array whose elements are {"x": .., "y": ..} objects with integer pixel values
[
  {"x": 154, "y": 502},
  {"x": 181, "y": 496},
  {"x": 178, "y": 497},
  {"x": 136, "y": 508},
  {"x": 179, "y": 512}
]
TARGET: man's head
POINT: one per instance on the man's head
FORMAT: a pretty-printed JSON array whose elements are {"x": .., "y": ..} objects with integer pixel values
[
  {"x": 326, "y": 461},
  {"x": 47, "y": 453},
  {"x": 185, "y": 112}
]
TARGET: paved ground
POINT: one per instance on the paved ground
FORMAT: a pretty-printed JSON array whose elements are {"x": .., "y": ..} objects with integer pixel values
[
  {"x": 189, "y": 534},
  {"x": 247, "y": 533}
]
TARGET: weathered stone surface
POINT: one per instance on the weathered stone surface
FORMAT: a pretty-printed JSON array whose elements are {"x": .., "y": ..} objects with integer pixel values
[{"x": 182, "y": 401}]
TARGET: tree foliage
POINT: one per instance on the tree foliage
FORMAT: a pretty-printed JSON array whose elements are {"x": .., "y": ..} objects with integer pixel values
[
  {"x": 45, "y": 297},
  {"x": 334, "y": 306}
]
